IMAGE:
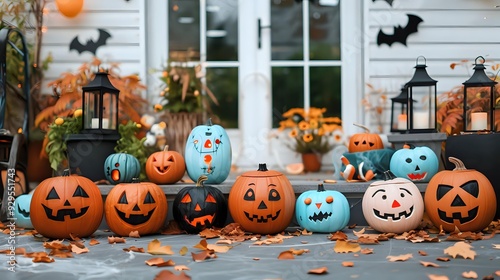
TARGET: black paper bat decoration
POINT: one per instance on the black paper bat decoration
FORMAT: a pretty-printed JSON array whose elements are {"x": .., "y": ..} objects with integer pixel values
[
  {"x": 400, "y": 33},
  {"x": 91, "y": 46},
  {"x": 388, "y": 1}
]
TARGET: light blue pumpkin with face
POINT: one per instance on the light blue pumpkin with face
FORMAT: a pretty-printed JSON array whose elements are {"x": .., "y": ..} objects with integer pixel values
[
  {"x": 417, "y": 164},
  {"x": 22, "y": 211},
  {"x": 208, "y": 152},
  {"x": 322, "y": 210}
]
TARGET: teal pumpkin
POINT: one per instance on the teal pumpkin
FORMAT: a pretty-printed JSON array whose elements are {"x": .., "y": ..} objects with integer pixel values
[
  {"x": 417, "y": 164},
  {"x": 208, "y": 152},
  {"x": 22, "y": 211},
  {"x": 322, "y": 210},
  {"x": 121, "y": 168}
]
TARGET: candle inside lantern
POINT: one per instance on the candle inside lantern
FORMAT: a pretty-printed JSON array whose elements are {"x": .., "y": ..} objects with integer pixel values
[
  {"x": 478, "y": 121},
  {"x": 402, "y": 118},
  {"x": 420, "y": 120},
  {"x": 95, "y": 123}
]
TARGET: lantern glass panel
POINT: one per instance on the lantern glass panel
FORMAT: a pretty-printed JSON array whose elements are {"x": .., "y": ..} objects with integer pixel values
[
  {"x": 478, "y": 113},
  {"x": 109, "y": 113},
  {"x": 422, "y": 115},
  {"x": 399, "y": 117},
  {"x": 91, "y": 113}
]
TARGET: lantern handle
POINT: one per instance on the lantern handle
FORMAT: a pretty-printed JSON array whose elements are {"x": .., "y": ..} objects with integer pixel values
[
  {"x": 482, "y": 58},
  {"x": 421, "y": 56}
]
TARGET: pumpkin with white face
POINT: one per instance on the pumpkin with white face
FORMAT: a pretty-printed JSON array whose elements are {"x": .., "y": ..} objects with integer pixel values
[
  {"x": 322, "y": 210},
  {"x": 394, "y": 205},
  {"x": 417, "y": 164}
]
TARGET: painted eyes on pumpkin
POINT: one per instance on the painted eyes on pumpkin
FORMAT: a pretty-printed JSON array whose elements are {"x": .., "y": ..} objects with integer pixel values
[
  {"x": 52, "y": 194},
  {"x": 274, "y": 195},
  {"x": 249, "y": 195},
  {"x": 80, "y": 192},
  {"x": 422, "y": 157},
  {"x": 329, "y": 199},
  {"x": 307, "y": 201},
  {"x": 364, "y": 143}
]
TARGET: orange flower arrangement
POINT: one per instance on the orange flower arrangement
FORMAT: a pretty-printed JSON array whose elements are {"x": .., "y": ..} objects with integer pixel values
[{"x": 310, "y": 131}]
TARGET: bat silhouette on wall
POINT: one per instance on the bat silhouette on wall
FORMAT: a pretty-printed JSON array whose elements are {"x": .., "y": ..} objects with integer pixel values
[
  {"x": 400, "y": 33},
  {"x": 91, "y": 45},
  {"x": 388, "y": 1}
]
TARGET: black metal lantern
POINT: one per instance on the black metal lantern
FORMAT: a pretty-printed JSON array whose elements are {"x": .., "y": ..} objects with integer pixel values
[
  {"x": 100, "y": 106},
  {"x": 399, "y": 111},
  {"x": 421, "y": 102},
  {"x": 479, "y": 115}
]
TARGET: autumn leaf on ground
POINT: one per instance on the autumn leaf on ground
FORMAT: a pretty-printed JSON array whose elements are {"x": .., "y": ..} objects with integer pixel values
[
  {"x": 462, "y": 249},
  {"x": 202, "y": 245},
  {"x": 496, "y": 246},
  {"x": 203, "y": 255},
  {"x": 367, "y": 240},
  {"x": 181, "y": 267},
  {"x": 347, "y": 264},
  {"x": 134, "y": 249},
  {"x": 134, "y": 234},
  {"x": 93, "y": 242},
  {"x": 60, "y": 253},
  {"x": 74, "y": 237},
  {"x": 183, "y": 251},
  {"x": 469, "y": 274},
  {"x": 78, "y": 250},
  {"x": 232, "y": 229},
  {"x": 286, "y": 255},
  {"x": 17, "y": 251},
  {"x": 159, "y": 262},
  {"x": 438, "y": 277},
  {"x": 155, "y": 248},
  {"x": 400, "y": 258},
  {"x": 43, "y": 259},
  {"x": 305, "y": 232},
  {"x": 298, "y": 252},
  {"x": 319, "y": 270},
  {"x": 427, "y": 264},
  {"x": 56, "y": 244},
  {"x": 169, "y": 275},
  {"x": 342, "y": 246},
  {"x": 209, "y": 233},
  {"x": 443, "y": 259},
  {"x": 113, "y": 240},
  {"x": 219, "y": 248},
  {"x": 366, "y": 251},
  {"x": 422, "y": 253},
  {"x": 339, "y": 235}
]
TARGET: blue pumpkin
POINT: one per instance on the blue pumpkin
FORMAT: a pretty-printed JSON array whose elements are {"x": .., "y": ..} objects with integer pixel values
[
  {"x": 322, "y": 210},
  {"x": 417, "y": 164},
  {"x": 22, "y": 211},
  {"x": 121, "y": 168},
  {"x": 208, "y": 152}
]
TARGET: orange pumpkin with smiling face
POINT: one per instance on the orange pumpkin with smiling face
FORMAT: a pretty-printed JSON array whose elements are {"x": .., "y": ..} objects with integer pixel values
[
  {"x": 165, "y": 167},
  {"x": 366, "y": 141},
  {"x": 262, "y": 201}
]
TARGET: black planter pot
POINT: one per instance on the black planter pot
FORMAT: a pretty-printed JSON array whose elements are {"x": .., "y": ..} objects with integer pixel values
[
  {"x": 87, "y": 153},
  {"x": 480, "y": 152}
]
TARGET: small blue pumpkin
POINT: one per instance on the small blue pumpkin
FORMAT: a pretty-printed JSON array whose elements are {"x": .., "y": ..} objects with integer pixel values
[
  {"x": 322, "y": 210},
  {"x": 417, "y": 164},
  {"x": 121, "y": 168},
  {"x": 22, "y": 211},
  {"x": 208, "y": 152}
]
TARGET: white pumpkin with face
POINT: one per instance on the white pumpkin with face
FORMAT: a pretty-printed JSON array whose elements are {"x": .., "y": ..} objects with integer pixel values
[{"x": 393, "y": 206}]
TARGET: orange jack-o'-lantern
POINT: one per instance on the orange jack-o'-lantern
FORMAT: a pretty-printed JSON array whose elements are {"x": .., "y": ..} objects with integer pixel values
[
  {"x": 262, "y": 201},
  {"x": 136, "y": 206},
  {"x": 66, "y": 205},
  {"x": 165, "y": 167},
  {"x": 366, "y": 141},
  {"x": 461, "y": 198}
]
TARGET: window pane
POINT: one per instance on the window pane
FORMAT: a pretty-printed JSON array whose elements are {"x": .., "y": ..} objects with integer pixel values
[
  {"x": 324, "y": 30},
  {"x": 325, "y": 89},
  {"x": 222, "y": 30},
  {"x": 286, "y": 30},
  {"x": 184, "y": 29},
  {"x": 223, "y": 82},
  {"x": 288, "y": 85}
]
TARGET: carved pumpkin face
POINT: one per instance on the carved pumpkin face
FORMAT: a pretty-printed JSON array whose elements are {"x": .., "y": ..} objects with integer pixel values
[
  {"x": 22, "y": 210},
  {"x": 121, "y": 168},
  {"x": 165, "y": 167},
  {"x": 461, "y": 198},
  {"x": 262, "y": 201},
  {"x": 322, "y": 210},
  {"x": 66, "y": 205},
  {"x": 417, "y": 164},
  {"x": 198, "y": 207},
  {"x": 366, "y": 141},
  {"x": 394, "y": 205},
  {"x": 135, "y": 206},
  {"x": 208, "y": 152}
]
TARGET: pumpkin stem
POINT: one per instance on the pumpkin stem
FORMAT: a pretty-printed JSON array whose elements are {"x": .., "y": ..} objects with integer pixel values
[
  {"x": 262, "y": 167},
  {"x": 459, "y": 165},
  {"x": 367, "y": 130},
  {"x": 165, "y": 149},
  {"x": 408, "y": 146},
  {"x": 201, "y": 179},
  {"x": 388, "y": 175},
  {"x": 135, "y": 180},
  {"x": 66, "y": 172},
  {"x": 321, "y": 188},
  {"x": 209, "y": 122}
]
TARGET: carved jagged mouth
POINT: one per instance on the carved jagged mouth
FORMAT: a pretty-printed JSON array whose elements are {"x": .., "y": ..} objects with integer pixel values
[
  {"x": 417, "y": 176},
  {"x": 205, "y": 220},
  {"x": 262, "y": 219},
  {"x": 64, "y": 212},
  {"x": 471, "y": 215},
  {"x": 135, "y": 219},
  {"x": 24, "y": 213},
  {"x": 320, "y": 216},
  {"x": 393, "y": 216}
]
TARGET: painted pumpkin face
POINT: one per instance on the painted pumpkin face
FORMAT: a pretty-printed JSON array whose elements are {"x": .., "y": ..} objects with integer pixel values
[
  {"x": 121, "y": 168},
  {"x": 461, "y": 198},
  {"x": 262, "y": 201},
  {"x": 199, "y": 207},
  {"x": 322, "y": 210},
  {"x": 417, "y": 164},
  {"x": 66, "y": 205},
  {"x": 165, "y": 167},
  {"x": 22, "y": 211},
  {"x": 394, "y": 205},
  {"x": 366, "y": 141},
  {"x": 135, "y": 206},
  {"x": 208, "y": 152}
]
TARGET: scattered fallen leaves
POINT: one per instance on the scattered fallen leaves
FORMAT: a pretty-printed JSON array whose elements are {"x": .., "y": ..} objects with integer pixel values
[
  {"x": 339, "y": 235},
  {"x": 286, "y": 255},
  {"x": 78, "y": 250},
  {"x": 43, "y": 259},
  {"x": 400, "y": 258},
  {"x": 169, "y": 275},
  {"x": 17, "y": 251},
  {"x": 367, "y": 240},
  {"x": 443, "y": 259},
  {"x": 366, "y": 251},
  {"x": 93, "y": 242},
  {"x": 496, "y": 246},
  {"x": 462, "y": 249},
  {"x": 347, "y": 264},
  {"x": 160, "y": 262},
  {"x": 438, "y": 277},
  {"x": 469, "y": 274},
  {"x": 183, "y": 251},
  {"x": 203, "y": 245},
  {"x": 319, "y": 270},
  {"x": 429, "y": 264},
  {"x": 203, "y": 255},
  {"x": 342, "y": 246},
  {"x": 209, "y": 233},
  {"x": 134, "y": 234},
  {"x": 113, "y": 240},
  {"x": 134, "y": 249},
  {"x": 155, "y": 248},
  {"x": 181, "y": 267}
]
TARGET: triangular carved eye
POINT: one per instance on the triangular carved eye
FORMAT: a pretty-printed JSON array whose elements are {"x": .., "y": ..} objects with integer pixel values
[
  {"x": 123, "y": 199},
  {"x": 186, "y": 199},
  {"x": 80, "y": 192},
  {"x": 442, "y": 190},
  {"x": 471, "y": 187},
  {"x": 149, "y": 199},
  {"x": 210, "y": 198},
  {"x": 52, "y": 194}
]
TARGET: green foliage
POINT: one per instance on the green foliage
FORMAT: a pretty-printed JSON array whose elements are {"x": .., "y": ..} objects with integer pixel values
[{"x": 56, "y": 145}]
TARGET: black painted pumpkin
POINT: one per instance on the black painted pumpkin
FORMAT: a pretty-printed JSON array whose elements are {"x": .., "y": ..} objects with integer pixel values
[{"x": 198, "y": 207}]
